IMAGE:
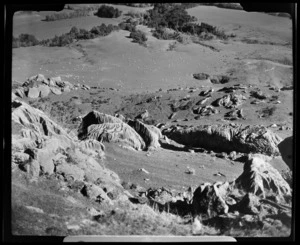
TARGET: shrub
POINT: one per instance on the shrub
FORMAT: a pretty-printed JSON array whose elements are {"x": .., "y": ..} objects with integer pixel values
[
  {"x": 108, "y": 12},
  {"x": 138, "y": 37},
  {"x": 24, "y": 40},
  {"x": 68, "y": 15}
]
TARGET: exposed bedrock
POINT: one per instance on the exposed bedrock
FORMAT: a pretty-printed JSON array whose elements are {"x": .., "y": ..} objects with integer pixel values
[{"x": 226, "y": 138}]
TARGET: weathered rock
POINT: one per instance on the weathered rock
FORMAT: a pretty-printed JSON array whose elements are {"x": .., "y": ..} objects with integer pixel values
[
  {"x": 233, "y": 88},
  {"x": 20, "y": 157},
  {"x": 201, "y": 76},
  {"x": 149, "y": 133},
  {"x": 248, "y": 205},
  {"x": 229, "y": 101},
  {"x": 286, "y": 150},
  {"x": 219, "y": 79},
  {"x": 55, "y": 90},
  {"x": 209, "y": 200},
  {"x": 36, "y": 120},
  {"x": 95, "y": 117},
  {"x": 95, "y": 193},
  {"x": 45, "y": 90},
  {"x": 234, "y": 114},
  {"x": 70, "y": 170},
  {"x": 261, "y": 179},
  {"x": 143, "y": 115},
  {"x": 92, "y": 146},
  {"x": 203, "y": 101},
  {"x": 33, "y": 93},
  {"x": 206, "y": 92},
  {"x": 116, "y": 132},
  {"x": 258, "y": 95},
  {"x": 183, "y": 104},
  {"x": 255, "y": 139},
  {"x": 20, "y": 92},
  {"x": 205, "y": 110}
]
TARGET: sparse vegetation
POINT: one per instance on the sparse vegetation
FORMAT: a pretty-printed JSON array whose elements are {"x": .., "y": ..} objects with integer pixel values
[
  {"x": 69, "y": 15},
  {"x": 106, "y": 11}
]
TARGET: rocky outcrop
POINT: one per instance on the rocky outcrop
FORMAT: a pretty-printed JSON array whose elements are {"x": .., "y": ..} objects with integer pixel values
[
  {"x": 201, "y": 76},
  {"x": 205, "y": 110},
  {"x": 234, "y": 114},
  {"x": 209, "y": 199},
  {"x": 230, "y": 101},
  {"x": 95, "y": 117},
  {"x": 150, "y": 134},
  {"x": 36, "y": 121},
  {"x": 39, "y": 86},
  {"x": 261, "y": 179},
  {"x": 42, "y": 148},
  {"x": 227, "y": 138},
  {"x": 286, "y": 150},
  {"x": 115, "y": 132}
]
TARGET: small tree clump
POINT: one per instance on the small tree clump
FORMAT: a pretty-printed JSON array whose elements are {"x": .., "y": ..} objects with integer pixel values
[{"x": 108, "y": 12}]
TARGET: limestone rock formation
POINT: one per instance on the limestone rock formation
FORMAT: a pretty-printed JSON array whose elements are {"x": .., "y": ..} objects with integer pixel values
[
  {"x": 261, "y": 179},
  {"x": 227, "y": 138},
  {"x": 36, "y": 120},
  {"x": 95, "y": 117},
  {"x": 230, "y": 101},
  {"x": 205, "y": 110},
  {"x": 150, "y": 134},
  {"x": 115, "y": 132},
  {"x": 209, "y": 199}
]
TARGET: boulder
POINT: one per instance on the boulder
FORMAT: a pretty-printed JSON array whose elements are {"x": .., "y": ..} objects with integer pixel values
[
  {"x": 230, "y": 101},
  {"x": 70, "y": 170},
  {"x": 36, "y": 120},
  {"x": 143, "y": 115},
  {"x": 209, "y": 199},
  {"x": 33, "y": 93},
  {"x": 20, "y": 92},
  {"x": 286, "y": 150},
  {"x": 263, "y": 180},
  {"x": 206, "y": 92},
  {"x": 201, "y": 76},
  {"x": 248, "y": 205},
  {"x": 227, "y": 138},
  {"x": 219, "y": 79},
  {"x": 92, "y": 146},
  {"x": 115, "y": 132},
  {"x": 205, "y": 110},
  {"x": 95, "y": 193},
  {"x": 45, "y": 90},
  {"x": 55, "y": 90},
  {"x": 95, "y": 117},
  {"x": 20, "y": 157},
  {"x": 149, "y": 133}
]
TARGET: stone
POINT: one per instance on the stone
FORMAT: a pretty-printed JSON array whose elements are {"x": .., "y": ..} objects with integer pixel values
[
  {"x": 219, "y": 79},
  {"x": 286, "y": 150},
  {"x": 95, "y": 193},
  {"x": 205, "y": 111},
  {"x": 263, "y": 180},
  {"x": 45, "y": 90},
  {"x": 20, "y": 92},
  {"x": 201, "y": 76},
  {"x": 149, "y": 133},
  {"x": 33, "y": 93},
  {"x": 229, "y": 101},
  {"x": 55, "y": 90},
  {"x": 248, "y": 139},
  {"x": 248, "y": 205},
  {"x": 20, "y": 157},
  {"x": 209, "y": 200},
  {"x": 70, "y": 170}
]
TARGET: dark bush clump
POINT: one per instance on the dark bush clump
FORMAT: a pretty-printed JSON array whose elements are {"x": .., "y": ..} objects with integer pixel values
[
  {"x": 108, "y": 12},
  {"x": 138, "y": 37},
  {"x": 24, "y": 40},
  {"x": 68, "y": 15}
]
